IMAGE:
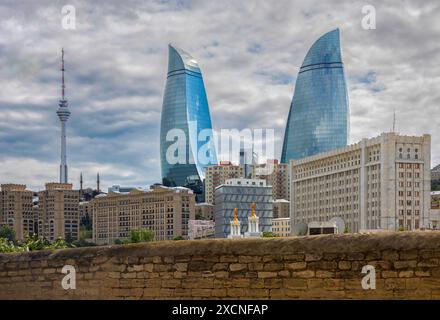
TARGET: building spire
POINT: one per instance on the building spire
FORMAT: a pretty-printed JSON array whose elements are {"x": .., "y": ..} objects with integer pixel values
[{"x": 97, "y": 182}]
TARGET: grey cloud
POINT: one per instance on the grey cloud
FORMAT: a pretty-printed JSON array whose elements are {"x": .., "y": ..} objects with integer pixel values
[{"x": 116, "y": 63}]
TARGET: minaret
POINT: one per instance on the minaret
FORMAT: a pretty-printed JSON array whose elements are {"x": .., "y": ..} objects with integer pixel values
[
  {"x": 63, "y": 114},
  {"x": 80, "y": 185},
  {"x": 97, "y": 183}
]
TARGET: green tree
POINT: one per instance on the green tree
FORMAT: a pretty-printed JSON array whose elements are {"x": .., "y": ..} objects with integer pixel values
[
  {"x": 7, "y": 232},
  {"x": 141, "y": 235},
  {"x": 268, "y": 234}
]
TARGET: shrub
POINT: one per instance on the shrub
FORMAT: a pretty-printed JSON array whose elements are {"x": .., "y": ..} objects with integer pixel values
[
  {"x": 141, "y": 235},
  {"x": 32, "y": 243},
  {"x": 268, "y": 234}
]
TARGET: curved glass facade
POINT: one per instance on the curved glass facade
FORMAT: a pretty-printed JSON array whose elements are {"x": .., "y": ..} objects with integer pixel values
[
  {"x": 319, "y": 114},
  {"x": 185, "y": 110}
]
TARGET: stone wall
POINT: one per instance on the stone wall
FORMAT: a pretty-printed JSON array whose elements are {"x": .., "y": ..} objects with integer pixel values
[{"x": 316, "y": 267}]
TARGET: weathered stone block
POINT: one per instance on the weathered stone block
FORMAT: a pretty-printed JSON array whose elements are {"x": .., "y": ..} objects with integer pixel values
[
  {"x": 303, "y": 274},
  {"x": 228, "y": 258},
  {"x": 182, "y": 267},
  {"x": 295, "y": 283},
  {"x": 237, "y": 267},
  {"x": 391, "y": 255},
  {"x": 324, "y": 274},
  {"x": 406, "y": 274},
  {"x": 255, "y": 266},
  {"x": 221, "y": 274},
  {"x": 284, "y": 274},
  {"x": 267, "y": 274},
  {"x": 199, "y": 265},
  {"x": 220, "y": 267},
  {"x": 273, "y": 267},
  {"x": 313, "y": 256},
  {"x": 296, "y": 265},
  {"x": 249, "y": 259},
  {"x": 388, "y": 274},
  {"x": 172, "y": 283},
  {"x": 405, "y": 264},
  {"x": 197, "y": 283},
  {"x": 240, "y": 283}
]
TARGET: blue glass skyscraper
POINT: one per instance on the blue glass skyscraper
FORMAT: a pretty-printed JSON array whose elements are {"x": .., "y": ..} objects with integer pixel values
[
  {"x": 185, "y": 119},
  {"x": 319, "y": 114}
]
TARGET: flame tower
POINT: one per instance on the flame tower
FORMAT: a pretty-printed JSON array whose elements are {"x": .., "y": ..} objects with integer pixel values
[{"x": 63, "y": 113}]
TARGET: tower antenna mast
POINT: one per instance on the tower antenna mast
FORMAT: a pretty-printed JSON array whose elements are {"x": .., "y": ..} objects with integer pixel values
[{"x": 63, "y": 113}]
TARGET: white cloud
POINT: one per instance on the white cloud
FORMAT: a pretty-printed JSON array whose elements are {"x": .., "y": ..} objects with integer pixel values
[{"x": 249, "y": 52}]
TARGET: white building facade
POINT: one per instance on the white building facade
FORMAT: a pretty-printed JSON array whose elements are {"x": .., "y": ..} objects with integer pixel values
[{"x": 378, "y": 183}]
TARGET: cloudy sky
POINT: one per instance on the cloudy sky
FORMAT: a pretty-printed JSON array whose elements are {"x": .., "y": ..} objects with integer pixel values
[{"x": 249, "y": 53}]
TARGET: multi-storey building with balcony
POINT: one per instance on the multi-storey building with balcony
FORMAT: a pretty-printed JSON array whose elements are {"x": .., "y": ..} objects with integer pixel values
[
  {"x": 217, "y": 175},
  {"x": 166, "y": 211},
  {"x": 16, "y": 209},
  {"x": 276, "y": 175},
  {"x": 378, "y": 183},
  {"x": 58, "y": 212}
]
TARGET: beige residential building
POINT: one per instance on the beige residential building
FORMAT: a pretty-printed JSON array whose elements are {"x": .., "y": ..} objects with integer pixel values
[
  {"x": 204, "y": 211},
  {"x": 276, "y": 175},
  {"x": 217, "y": 175},
  {"x": 281, "y": 227},
  {"x": 165, "y": 211},
  {"x": 16, "y": 209},
  {"x": 378, "y": 183},
  {"x": 59, "y": 211},
  {"x": 281, "y": 209}
]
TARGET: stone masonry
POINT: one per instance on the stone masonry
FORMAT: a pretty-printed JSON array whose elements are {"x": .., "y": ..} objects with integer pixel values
[{"x": 313, "y": 267}]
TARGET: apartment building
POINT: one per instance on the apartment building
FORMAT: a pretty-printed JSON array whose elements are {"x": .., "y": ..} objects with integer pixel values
[
  {"x": 204, "y": 211},
  {"x": 281, "y": 227},
  {"x": 58, "y": 212},
  {"x": 217, "y": 175},
  {"x": 16, "y": 209},
  {"x": 166, "y": 211},
  {"x": 378, "y": 183},
  {"x": 276, "y": 175},
  {"x": 281, "y": 209}
]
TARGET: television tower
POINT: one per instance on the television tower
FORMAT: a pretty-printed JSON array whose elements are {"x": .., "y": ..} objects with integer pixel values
[{"x": 63, "y": 113}]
